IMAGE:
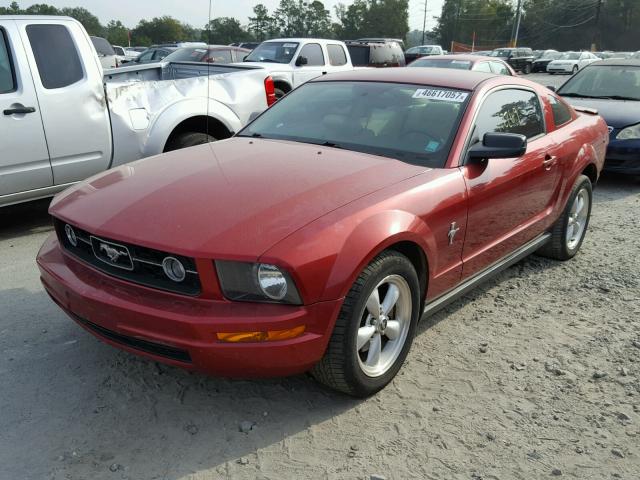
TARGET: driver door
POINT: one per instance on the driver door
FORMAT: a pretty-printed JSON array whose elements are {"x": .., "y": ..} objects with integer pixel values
[
  {"x": 315, "y": 64},
  {"x": 510, "y": 199}
]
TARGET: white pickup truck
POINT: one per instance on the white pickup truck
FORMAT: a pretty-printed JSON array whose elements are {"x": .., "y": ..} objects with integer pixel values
[
  {"x": 63, "y": 119},
  {"x": 293, "y": 61}
]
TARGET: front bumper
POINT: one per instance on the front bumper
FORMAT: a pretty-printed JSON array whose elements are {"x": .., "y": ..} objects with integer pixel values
[
  {"x": 623, "y": 156},
  {"x": 180, "y": 330},
  {"x": 560, "y": 68}
]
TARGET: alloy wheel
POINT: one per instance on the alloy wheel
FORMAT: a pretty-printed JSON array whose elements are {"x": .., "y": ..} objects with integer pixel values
[
  {"x": 384, "y": 326},
  {"x": 577, "y": 219}
]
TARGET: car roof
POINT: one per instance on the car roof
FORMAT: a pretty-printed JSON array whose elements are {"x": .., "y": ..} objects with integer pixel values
[
  {"x": 302, "y": 40},
  {"x": 464, "y": 58},
  {"x": 435, "y": 77},
  {"x": 621, "y": 62}
]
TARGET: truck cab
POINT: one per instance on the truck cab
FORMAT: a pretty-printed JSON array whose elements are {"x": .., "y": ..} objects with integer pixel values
[{"x": 294, "y": 61}]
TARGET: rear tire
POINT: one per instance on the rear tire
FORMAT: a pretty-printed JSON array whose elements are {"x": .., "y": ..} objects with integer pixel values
[
  {"x": 279, "y": 93},
  {"x": 189, "y": 139},
  {"x": 570, "y": 229},
  {"x": 527, "y": 69},
  {"x": 364, "y": 353}
]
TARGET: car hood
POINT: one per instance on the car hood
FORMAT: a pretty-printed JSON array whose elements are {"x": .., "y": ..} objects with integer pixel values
[
  {"x": 617, "y": 113},
  {"x": 563, "y": 62},
  {"x": 233, "y": 199}
]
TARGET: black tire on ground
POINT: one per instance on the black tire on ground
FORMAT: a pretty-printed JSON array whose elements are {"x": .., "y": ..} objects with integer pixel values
[
  {"x": 557, "y": 248},
  {"x": 574, "y": 70},
  {"x": 527, "y": 69},
  {"x": 551, "y": 73},
  {"x": 339, "y": 368},
  {"x": 279, "y": 93},
  {"x": 189, "y": 139}
]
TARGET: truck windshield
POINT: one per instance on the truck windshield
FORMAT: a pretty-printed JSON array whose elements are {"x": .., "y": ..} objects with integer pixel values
[
  {"x": 274, "y": 52},
  {"x": 412, "y": 123}
]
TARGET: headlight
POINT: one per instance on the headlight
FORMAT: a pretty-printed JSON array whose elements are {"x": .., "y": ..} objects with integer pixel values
[
  {"x": 256, "y": 282},
  {"x": 629, "y": 133}
]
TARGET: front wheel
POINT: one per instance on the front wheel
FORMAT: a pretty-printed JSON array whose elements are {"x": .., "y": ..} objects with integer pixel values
[
  {"x": 189, "y": 139},
  {"x": 569, "y": 230},
  {"x": 574, "y": 70},
  {"x": 375, "y": 328},
  {"x": 527, "y": 69}
]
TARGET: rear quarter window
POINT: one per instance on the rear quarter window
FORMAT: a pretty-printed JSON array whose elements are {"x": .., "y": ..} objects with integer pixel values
[
  {"x": 7, "y": 74},
  {"x": 55, "y": 54},
  {"x": 561, "y": 113},
  {"x": 337, "y": 57}
]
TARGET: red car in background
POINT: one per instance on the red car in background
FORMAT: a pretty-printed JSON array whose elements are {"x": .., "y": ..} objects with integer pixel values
[
  {"x": 316, "y": 238},
  {"x": 476, "y": 63}
]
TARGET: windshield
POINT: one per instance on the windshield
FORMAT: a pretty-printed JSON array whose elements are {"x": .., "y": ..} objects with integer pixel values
[
  {"x": 188, "y": 55},
  {"x": 422, "y": 50},
  {"x": 570, "y": 56},
  {"x": 411, "y": 123},
  {"x": 500, "y": 53},
  {"x": 437, "y": 63},
  {"x": 550, "y": 56},
  {"x": 604, "y": 81},
  {"x": 274, "y": 52}
]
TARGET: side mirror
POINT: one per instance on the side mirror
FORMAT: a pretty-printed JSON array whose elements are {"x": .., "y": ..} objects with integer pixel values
[
  {"x": 300, "y": 61},
  {"x": 499, "y": 145},
  {"x": 551, "y": 87}
]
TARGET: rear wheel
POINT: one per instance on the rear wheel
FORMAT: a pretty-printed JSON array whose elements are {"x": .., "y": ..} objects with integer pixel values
[
  {"x": 375, "y": 328},
  {"x": 569, "y": 230},
  {"x": 279, "y": 93},
  {"x": 189, "y": 139},
  {"x": 527, "y": 69}
]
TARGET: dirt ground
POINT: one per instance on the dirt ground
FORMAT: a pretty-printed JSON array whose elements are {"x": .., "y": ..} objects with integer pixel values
[{"x": 534, "y": 375}]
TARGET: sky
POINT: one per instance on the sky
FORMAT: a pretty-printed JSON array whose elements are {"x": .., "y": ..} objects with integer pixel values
[{"x": 195, "y": 12}]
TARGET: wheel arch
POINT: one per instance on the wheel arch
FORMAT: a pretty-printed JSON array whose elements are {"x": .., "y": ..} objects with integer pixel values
[
  {"x": 282, "y": 85},
  {"x": 199, "y": 124}
]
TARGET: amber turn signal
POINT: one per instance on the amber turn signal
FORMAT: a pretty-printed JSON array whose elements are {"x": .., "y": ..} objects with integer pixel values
[{"x": 268, "y": 336}]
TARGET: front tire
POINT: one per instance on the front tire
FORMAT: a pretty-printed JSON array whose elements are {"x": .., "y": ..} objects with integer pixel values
[
  {"x": 189, "y": 139},
  {"x": 574, "y": 70},
  {"x": 568, "y": 233},
  {"x": 375, "y": 328},
  {"x": 527, "y": 69}
]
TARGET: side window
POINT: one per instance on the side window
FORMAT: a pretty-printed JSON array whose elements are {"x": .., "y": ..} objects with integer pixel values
[
  {"x": 561, "y": 113},
  {"x": 510, "y": 111},
  {"x": 160, "y": 54},
  {"x": 482, "y": 67},
  {"x": 56, "y": 55},
  {"x": 7, "y": 75},
  {"x": 499, "y": 68},
  {"x": 313, "y": 52},
  {"x": 220, "y": 56},
  {"x": 146, "y": 56},
  {"x": 337, "y": 57},
  {"x": 119, "y": 51}
]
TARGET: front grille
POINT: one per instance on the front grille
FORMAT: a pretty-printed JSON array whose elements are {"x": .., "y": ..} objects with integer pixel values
[
  {"x": 137, "y": 343},
  {"x": 133, "y": 263}
]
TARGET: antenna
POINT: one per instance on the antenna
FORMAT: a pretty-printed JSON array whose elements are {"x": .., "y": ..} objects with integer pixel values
[{"x": 208, "y": 69}]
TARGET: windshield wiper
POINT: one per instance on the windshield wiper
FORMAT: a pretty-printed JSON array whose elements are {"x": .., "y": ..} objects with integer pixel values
[{"x": 253, "y": 135}]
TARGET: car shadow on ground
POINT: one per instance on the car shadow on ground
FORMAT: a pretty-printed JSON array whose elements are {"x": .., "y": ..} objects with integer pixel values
[{"x": 25, "y": 219}]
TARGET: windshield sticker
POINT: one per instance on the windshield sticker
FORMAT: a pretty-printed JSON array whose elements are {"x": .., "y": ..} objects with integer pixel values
[
  {"x": 445, "y": 95},
  {"x": 290, "y": 45},
  {"x": 432, "y": 146}
]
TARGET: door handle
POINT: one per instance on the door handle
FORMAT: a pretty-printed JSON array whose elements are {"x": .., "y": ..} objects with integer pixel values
[
  {"x": 324, "y": 73},
  {"x": 549, "y": 161},
  {"x": 19, "y": 110}
]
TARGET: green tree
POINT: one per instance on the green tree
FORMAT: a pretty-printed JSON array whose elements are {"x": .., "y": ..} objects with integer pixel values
[
  {"x": 290, "y": 18},
  {"x": 41, "y": 9},
  {"x": 262, "y": 25},
  {"x": 373, "y": 18},
  {"x": 317, "y": 20},
  {"x": 117, "y": 33},
  {"x": 158, "y": 30},
  {"x": 226, "y": 30},
  {"x": 89, "y": 21}
]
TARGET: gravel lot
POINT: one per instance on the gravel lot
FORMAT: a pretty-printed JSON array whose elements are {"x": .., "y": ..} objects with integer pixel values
[{"x": 534, "y": 375}]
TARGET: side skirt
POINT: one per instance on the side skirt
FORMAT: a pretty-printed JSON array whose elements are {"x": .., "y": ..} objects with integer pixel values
[{"x": 469, "y": 284}]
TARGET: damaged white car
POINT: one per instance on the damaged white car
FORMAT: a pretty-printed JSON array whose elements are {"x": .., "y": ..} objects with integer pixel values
[{"x": 65, "y": 119}]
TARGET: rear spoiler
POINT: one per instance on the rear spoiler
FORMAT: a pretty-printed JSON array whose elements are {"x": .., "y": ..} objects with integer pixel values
[{"x": 590, "y": 111}]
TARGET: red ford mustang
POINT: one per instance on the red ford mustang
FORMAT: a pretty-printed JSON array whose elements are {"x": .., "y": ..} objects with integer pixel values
[{"x": 315, "y": 239}]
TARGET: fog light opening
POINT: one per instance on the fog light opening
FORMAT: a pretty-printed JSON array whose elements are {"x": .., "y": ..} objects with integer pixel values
[{"x": 174, "y": 269}]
